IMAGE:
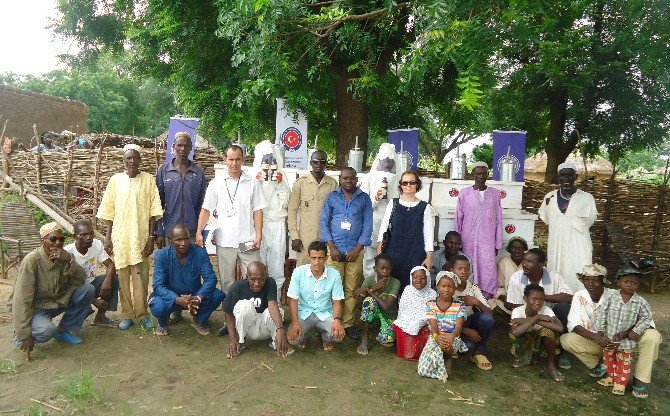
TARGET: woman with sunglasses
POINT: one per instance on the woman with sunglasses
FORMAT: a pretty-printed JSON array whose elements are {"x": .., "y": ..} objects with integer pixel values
[{"x": 410, "y": 224}]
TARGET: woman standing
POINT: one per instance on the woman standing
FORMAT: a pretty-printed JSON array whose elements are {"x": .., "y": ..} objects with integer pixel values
[{"x": 410, "y": 223}]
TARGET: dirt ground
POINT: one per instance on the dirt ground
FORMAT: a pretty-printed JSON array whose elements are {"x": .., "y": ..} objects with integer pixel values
[{"x": 139, "y": 373}]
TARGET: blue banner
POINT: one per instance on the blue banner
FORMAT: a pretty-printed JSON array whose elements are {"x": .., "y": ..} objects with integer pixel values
[
  {"x": 178, "y": 125},
  {"x": 410, "y": 143},
  {"x": 515, "y": 141}
]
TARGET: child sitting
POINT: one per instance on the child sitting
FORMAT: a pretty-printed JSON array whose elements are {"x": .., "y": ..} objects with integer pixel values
[
  {"x": 480, "y": 322},
  {"x": 445, "y": 317},
  {"x": 534, "y": 328},
  {"x": 380, "y": 302},
  {"x": 410, "y": 327},
  {"x": 622, "y": 318}
]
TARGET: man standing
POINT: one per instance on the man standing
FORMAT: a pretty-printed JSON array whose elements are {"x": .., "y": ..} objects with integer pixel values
[
  {"x": 237, "y": 202},
  {"x": 346, "y": 226},
  {"x": 479, "y": 221},
  {"x": 89, "y": 253},
  {"x": 49, "y": 283},
  {"x": 181, "y": 185},
  {"x": 131, "y": 205},
  {"x": 183, "y": 280},
  {"x": 307, "y": 197},
  {"x": 252, "y": 312},
  {"x": 587, "y": 345},
  {"x": 569, "y": 213},
  {"x": 315, "y": 299}
]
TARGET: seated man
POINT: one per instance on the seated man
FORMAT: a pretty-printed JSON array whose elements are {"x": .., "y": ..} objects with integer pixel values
[
  {"x": 49, "y": 283},
  {"x": 252, "y": 312},
  {"x": 183, "y": 280},
  {"x": 316, "y": 299},
  {"x": 442, "y": 258},
  {"x": 89, "y": 253},
  {"x": 587, "y": 345}
]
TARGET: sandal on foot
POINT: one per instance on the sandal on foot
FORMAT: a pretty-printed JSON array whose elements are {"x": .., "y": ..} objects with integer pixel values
[
  {"x": 481, "y": 362},
  {"x": 606, "y": 382},
  {"x": 328, "y": 346},
  {"x": 564, "y": 363},
  {"x": 125, "y": 324},
  {"x": 299, "y": 345},
  {"x": 107, "y": 323},
  {"x": 160, "y": 331},
  {"x": 518, "y": 363},
  {"x": 362, "y": 349},
  {"x": 597, "y": 371},
  {"x": 556, "y": 375},
  {"x": 200, "y": 328},
  {"x": 619, "y": 389},
  {"x": 640, "y": 392}
]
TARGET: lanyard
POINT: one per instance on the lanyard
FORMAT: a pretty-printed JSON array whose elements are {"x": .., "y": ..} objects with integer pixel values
[
  {"x": 228, "y": 190},
  {"x": 347, "y": 207}
]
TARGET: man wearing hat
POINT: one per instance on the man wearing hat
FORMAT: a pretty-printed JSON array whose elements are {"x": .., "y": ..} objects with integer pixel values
[
  {"x": 130, "y": 206},
  {"x": 569, "y": 213},
  {"x": 479, "y": 221},
  {"x": 586, "y": 344},
  {"x": 49, "y": 283}
]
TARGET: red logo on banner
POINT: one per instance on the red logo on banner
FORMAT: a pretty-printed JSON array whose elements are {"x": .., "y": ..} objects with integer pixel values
[
  {"x": 292, "y": 139},
  {"x": 503, "y": 194},
  {"x": 453, "y": 192},
  {"x": 510, "y": 228}
]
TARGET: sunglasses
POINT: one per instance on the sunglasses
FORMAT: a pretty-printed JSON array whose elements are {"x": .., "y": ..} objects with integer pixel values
[
  {"x": 54, "y": 239},
  {"x": 319, "y": 161},
  {"x": 407, "y": 183}
]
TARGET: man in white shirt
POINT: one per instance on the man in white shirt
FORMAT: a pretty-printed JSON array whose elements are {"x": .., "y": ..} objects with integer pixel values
[
  {"x": 89, "y": 253},
  {"x": 236, "y": 201},
  {"x": 587, "y": 345}
]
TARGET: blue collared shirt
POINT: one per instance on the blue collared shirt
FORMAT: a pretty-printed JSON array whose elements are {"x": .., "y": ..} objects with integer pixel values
[
  {"x": 171, "y": 279},
  {"x": 315, "y": 296},
  {"x": 181, "y": 198},
  {"x": 358, "y": 213}
]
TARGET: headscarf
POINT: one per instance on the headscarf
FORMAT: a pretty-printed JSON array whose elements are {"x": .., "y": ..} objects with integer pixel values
[
  {"x": 567, "y": 165},
  {"x": 412, "y": 307},
  {"x": 479, "y": 165},
  {"x": 594, "y": 270},
  {"x": 450, "y": 275},
  {"x": 49, "y": 228},
  {"x": 508, "y": 247},
  {"x": 132, "y": 146}
]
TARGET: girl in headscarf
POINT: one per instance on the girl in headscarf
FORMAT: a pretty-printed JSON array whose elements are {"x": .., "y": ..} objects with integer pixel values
[
  {"x": 445, "y": 317},
  {"x": 410, "y": 327}
]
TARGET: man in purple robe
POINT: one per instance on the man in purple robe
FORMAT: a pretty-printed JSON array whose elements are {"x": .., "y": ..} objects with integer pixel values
[{"x": 479, "y": 221}]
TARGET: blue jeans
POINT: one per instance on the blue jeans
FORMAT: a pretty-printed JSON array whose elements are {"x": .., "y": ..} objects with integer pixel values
[
  {"x": 74, "y": 315},
  {"x": 483, "y": 323},
  {"x": 161, "y": 309}
]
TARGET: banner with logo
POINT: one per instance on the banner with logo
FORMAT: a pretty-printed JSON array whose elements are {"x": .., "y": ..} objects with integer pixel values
[
  {"x": 178, "y": 125},
  {"x": 291, "y": 132},
  {"x": 515, "y": 141},
  {"x": 408, "y": 139}
]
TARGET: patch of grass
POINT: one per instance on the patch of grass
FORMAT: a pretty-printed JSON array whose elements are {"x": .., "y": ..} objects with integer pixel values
[
  {"x": 35, "y": 410},
  {"x": 8, "y": 367},
  {"x": 81, "y": 390}
]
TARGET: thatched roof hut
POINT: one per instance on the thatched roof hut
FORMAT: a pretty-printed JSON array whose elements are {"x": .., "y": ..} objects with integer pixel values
[{"x": 597, "y": 167}]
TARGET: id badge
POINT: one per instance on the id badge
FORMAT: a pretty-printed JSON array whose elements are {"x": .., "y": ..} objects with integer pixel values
[
  {"x": 345, "y": 225},
  {"x": 230, "y": 212}
]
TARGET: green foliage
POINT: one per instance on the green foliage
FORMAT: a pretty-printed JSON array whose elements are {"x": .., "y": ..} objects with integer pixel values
[
  {"x": 483, "y": 153},
  {"x": 8, "y": 366},
  {"x": 118, "y": 102},
  {"x": 35, "y": 410},
  {"x": 81, "y": 390}
]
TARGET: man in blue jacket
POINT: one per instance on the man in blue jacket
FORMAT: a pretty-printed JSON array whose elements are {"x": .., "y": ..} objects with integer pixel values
[{"x": 183, "y": 280}]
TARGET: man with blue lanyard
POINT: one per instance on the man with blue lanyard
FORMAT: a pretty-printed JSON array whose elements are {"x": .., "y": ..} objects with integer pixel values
[{"x": 346, "y": 226}]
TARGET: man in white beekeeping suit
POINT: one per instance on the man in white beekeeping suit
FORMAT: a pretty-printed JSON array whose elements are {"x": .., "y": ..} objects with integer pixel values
[
  {"x": 381, "y": 183},
  {"x": 268, "y": 161}
]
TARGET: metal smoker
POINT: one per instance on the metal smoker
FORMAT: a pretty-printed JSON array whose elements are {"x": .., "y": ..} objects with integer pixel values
[
  {"x": 404, "y": 160},
  {"x": 507, "y": 170},
  {"x": 356, "y": 158},
  {"x": 458, "y": 166}
]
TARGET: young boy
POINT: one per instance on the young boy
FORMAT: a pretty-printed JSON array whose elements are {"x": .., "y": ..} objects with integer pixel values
[
  {"x": 534, "y": 326},
  {"x": 380, "y": 302},
  {"x": 479, "y": 325},
  {"x": 622, "y": 319}
]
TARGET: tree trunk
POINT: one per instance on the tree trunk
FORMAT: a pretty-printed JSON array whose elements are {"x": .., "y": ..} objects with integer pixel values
[
  {"x": 557, "y": 148},
  {"x": 352, "y": 117}
]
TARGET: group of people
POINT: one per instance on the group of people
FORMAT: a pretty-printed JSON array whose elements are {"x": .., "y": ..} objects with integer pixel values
[{"x": 431, "y": 305}]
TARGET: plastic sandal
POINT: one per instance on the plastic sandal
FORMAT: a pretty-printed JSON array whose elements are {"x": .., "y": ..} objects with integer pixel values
[
  {"x": 619, "y": 389},
  {"x": 640, "y": 392},
  {"x": 362, "y": 349},
  {"x": 556, "y": 375},
  {"x": 606, "y": 382},
  {"x": 160, "y": 331},
  {"x": 481, "y": 362},
  {"x": 125, "y": 324}
]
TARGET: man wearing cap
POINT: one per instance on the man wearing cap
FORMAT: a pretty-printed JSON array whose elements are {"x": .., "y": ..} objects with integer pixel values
[
  {"x": 49, "y": 283},
  {"x": 569, "y": 213},
  {"x": 586, "y": 344},
  {"x": 181, "y": 186},
  {"x": 479, "y": 222},
  {"x": 130, "y": 206}
]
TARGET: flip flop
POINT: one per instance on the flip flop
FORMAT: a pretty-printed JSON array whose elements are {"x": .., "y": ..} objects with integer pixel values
[
  {"x": 564, "y": 363},
  {"x": 556, "y": 375},
  {"x": 362, "y": 349},
  {"x": 597, "y": 371},
  {"x": 606, "y": 382},
  {"x": 328, "y": 346},
  {"x": 200, "y": 328},
  {"x": 481, "y": 362},
  {"x": 619, "y": 389},
  {"x": 107, "y": 323},
  {"x": 160, "y": 331},
  {"x": 518, "y": 363},
  {"x": 640, "y": 392}
]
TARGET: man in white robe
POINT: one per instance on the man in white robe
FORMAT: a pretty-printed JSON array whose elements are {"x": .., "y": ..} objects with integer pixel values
[
  {"x": 381, "y": 183},
  {"x": 569, "y": 213}
]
